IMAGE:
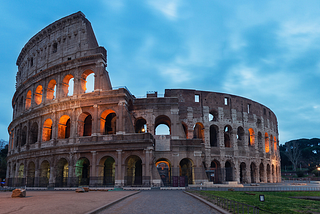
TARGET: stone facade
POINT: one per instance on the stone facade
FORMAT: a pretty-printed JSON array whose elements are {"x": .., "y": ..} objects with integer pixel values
[{"x": 63, "y": 135}]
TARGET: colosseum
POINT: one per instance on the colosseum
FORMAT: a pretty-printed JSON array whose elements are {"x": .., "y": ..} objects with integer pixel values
[{"x": 63, "y": 135}]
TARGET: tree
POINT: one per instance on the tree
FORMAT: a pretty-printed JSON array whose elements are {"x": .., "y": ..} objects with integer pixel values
[
  {"x": 293, "y": 152},
  {"x": 3, "y": 157}
]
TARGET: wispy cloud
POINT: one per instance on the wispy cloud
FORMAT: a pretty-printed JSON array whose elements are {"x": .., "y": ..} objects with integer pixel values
[{"x": 169, "y": 8}]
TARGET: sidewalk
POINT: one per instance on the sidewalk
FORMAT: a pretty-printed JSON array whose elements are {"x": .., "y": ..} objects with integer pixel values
[{"x": 59, "y": 201}]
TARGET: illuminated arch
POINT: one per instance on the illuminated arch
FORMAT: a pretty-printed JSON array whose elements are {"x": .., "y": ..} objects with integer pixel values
[
  {"x": 28, "y": 100},
  {"x": 47, "y": 130},
  {"x": 38, "y": 95},
  {"x": 198, "y": 131},
  {"x": 266, "y": 142},
  {"x": 64, "y": 127},
  {"x": 51, "y": 90},
  {"x": 86, "y": 75},
  {"x": 108, "y": 122},
  {"x": 67, "y": 82},
  {"x": 251, "y": 137}
]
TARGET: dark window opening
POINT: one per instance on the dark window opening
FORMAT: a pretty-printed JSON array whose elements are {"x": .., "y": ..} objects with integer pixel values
[
  {"x": 87, "y": 126},
  {"x": 54, "y": 47}
]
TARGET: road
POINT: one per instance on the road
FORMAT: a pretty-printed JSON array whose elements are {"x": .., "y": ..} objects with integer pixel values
[{"x": 169, "y": 201}]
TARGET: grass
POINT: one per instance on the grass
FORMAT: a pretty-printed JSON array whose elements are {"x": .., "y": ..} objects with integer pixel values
[{"x": 275, "y": 202}]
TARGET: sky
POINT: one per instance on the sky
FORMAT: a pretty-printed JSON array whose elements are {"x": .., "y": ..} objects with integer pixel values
[{"x": 267, "y": 51}]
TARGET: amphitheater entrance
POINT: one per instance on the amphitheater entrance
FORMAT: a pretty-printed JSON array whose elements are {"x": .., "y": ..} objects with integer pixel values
[
  {"x": 83, "y": 171},
  {"x": 229, "y": 171},
  {"x": 261, "y": 172},
  {"x": 164, "y": 170},
  {"x": 186, "y": 170},
  {"x": 243, "y": 173},
  {"x": 214, "y": 173},
  {"x": 62, "y": 173},
  {"x": 134, "y": 171},
  {"x": 31, "y": 174},
  {"x": 268, "y": 174},
  {"x": 107, "y": 171},
  {"x": 253, "y": 172},
  {"x": 44, "y": 174}
]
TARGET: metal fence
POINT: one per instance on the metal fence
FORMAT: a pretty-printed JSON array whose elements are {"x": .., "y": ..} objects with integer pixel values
[{"x": 261, "y": 189}]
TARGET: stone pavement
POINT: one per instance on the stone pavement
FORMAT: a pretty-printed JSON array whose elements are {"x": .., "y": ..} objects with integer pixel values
[
  {"x": 161, "y": 201},
  {"x": 58, "y": 201}
]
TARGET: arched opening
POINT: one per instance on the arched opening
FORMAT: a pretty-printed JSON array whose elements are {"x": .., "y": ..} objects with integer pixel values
[
  {"x": 140, "y": 125},
  {"x": 51, "y": 90},
  {"x": 253, "y": 171},
  {"x": 21, "y": 170},
  {"x": 185, "y": 129},
  {"x": 271, "y": 143},
  {"x": 64, "y": 127},
  {"x": 87, "y": 128},
  {"x": 240, "y": 136},
  {"x": 164, "y": 170},
  {"x": 83, "y": 171},
  {"x": 85, "y": 124},
  {"x": 227, "y": 136},
  {"x": 62, "y": 173},
  {"x": 107, "y": 171},
  {"x": 273, "y": 174},
  {"x": 47, "y": 130},
  {"x": 38, "y": 95},
  {"x": 275, "y": 145},
  {"x": 162, "y": 125},
  {"x": 214, "y": 135},
  {"x": 28, "y": 100},
  {"x": 198, "y": 131},
  {"x": 266, "y": 142},
  {"x": 213, "y": 115},
  {"x": 261, "y": 172},
  {"x": 87, "y": 81},
  {"x": 44, "y": 174},
  {"x": 134, "y": 171},
  {"x": 268, "y": 173},
  {"x": 214, "y": 173},
  {"x": 243, "y": 173},
  {"x": 31, "y": 174},
  {"x": 229, "y": 171},
  {"x": 17, "y": 139},
  {"x": 68, "y": 85},
  {"x": 108, "y": 122},
  {"x": 186, "y": 170},
  {"x": 24, "y": 136},
  {"x": 251, "y": 137},
  {"x": 34, "y": 133}
]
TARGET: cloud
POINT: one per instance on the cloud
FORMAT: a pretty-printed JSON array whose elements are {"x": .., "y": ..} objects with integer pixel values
[
  {"x": 168, "y": 8},
  {"x": 175, "y": 74}
]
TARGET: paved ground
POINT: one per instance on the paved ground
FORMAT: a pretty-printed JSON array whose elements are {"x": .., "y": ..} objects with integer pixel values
[
  {"x": 165, "y": 201},
  {"x": 58, "y": 201}
]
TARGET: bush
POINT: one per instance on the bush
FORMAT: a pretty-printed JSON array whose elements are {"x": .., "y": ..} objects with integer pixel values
[
  {"x": 316, "y": 172},
  {"x": 300, "y": 174}
]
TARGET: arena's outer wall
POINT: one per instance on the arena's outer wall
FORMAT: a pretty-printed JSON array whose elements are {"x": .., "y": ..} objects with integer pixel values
[{"x": 107, "y": 137}]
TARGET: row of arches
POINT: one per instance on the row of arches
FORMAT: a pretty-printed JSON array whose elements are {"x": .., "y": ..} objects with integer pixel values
[
  {"x": 82, "y": 174},
  {"x": 240, "y": 138},
  {"x": 247, "y": 173},
  {"x": 66, "y": 89}
]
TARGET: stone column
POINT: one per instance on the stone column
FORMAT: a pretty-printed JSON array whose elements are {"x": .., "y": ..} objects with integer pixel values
[
  {"x": 120, "y": 118},
  {"x": 118, "y": 177},
  {"x": 71, "y": 171},
  {"x": 93, "y": 174}
]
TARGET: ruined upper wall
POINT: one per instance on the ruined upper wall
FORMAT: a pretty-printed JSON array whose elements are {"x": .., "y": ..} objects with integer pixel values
[{"x": 66, "y": 39}]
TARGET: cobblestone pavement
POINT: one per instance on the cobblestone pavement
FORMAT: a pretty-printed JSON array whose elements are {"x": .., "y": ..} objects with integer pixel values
[{"x": 169, "y": 201}]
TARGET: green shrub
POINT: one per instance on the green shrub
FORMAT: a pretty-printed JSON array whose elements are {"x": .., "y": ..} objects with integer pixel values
[{"x": 300, "y": 174}]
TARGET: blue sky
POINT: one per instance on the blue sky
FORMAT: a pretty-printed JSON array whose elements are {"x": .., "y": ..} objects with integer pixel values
[{"x": 267, "y": 51}]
